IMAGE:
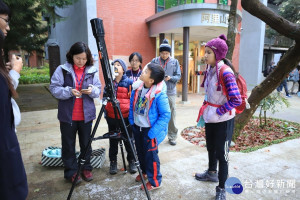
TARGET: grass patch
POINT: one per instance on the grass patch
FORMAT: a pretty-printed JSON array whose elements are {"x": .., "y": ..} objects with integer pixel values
[{"x": 35, "y": 75}]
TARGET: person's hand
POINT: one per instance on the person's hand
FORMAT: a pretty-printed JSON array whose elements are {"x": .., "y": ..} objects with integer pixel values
[
  {"x": 76, "y": 93},
  {"x": 87, "y": 91},
  {"x": 16, "y": 63},
  {"x": 167, "y": 78}
]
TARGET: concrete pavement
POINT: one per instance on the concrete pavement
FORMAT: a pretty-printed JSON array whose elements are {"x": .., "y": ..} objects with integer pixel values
[{"x": 277, "y": 166}]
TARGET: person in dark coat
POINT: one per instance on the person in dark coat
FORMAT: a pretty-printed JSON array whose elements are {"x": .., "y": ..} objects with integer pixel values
[{"x": 13, "y": 180}]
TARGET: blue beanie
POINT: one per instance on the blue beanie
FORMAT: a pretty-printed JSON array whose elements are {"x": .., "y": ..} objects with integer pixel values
[
  {"x": 122, "y": 63},
  {"x": 165, "y": 46}
]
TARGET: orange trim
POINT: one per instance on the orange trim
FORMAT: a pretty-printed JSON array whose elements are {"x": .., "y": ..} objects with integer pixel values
[
  {"x": 100, "y": 54},
  {"x": 154, "y": 144},
  {"x": 155, "y": 174},
  {"x": 129, "y": 93}
]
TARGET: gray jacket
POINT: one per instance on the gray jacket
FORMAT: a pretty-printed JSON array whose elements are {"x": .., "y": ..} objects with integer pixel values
[
  {"x": 294, "y": 75},
  {"x": 172, "y": 69},
  {"x": 61, "y": 88}
]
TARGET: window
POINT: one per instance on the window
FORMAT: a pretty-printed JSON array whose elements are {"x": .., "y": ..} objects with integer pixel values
[
  {"x": 171, "y": 3},
  {"x": 224, "y": 2},
  {"x": 160, "y": 5},
  {"x": 181, "y": 2},
  {"x": 166, "y": 4}
]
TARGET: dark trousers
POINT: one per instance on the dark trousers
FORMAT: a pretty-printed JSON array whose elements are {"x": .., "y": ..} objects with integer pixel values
[
  {"x": 147, "y": 151},
  {"x": 283, "y": 84},
  {"x": 218, "y": 138},
  {"x": 113, "y": 125},
  {"x": 68, "y": 141}
]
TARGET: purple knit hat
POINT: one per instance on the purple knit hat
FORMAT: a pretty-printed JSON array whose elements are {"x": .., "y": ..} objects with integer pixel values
[{"x": 220, "y": 48}]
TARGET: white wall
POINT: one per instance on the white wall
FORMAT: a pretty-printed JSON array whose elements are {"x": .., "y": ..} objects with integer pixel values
[
  {"x": 75, "y": 27},
  {"x": 251, "y": 49}
]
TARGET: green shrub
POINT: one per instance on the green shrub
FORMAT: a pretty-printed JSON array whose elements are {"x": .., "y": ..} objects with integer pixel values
[{"x": 35, "y": 75}]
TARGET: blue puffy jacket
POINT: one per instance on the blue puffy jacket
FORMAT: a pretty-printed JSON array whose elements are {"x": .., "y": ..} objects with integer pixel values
[{"x": 159, "y": 113}]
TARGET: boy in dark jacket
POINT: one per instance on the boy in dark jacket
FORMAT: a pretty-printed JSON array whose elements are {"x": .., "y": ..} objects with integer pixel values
[
  {"x": 122, "y": 86},
  {"x": 149, "y": 116}
]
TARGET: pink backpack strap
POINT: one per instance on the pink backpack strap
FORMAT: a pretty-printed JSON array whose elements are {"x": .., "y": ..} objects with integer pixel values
[{"x": 223, "y": 68}]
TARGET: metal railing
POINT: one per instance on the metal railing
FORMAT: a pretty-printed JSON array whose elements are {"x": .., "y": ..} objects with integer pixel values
[{"x": 278, "y": 41}]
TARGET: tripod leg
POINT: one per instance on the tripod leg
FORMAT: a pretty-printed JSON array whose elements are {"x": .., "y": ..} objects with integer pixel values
[
  {"x": 137, "y": 163},
  {"x": 123, "y": 157},
  {"x": 82, "y": 160}
]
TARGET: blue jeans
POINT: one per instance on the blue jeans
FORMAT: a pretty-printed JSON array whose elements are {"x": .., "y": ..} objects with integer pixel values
[{"x": 283, "y": 84}]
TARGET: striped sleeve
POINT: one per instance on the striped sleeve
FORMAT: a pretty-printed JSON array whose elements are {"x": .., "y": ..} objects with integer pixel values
[{"x": 233, "y": 93}]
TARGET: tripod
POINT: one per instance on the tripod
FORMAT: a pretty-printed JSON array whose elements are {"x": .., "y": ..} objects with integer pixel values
[{"x": 98, "y": 32}]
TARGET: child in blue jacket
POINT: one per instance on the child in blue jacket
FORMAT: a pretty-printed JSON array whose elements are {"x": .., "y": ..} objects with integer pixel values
[{"x": 149, "y": 115}]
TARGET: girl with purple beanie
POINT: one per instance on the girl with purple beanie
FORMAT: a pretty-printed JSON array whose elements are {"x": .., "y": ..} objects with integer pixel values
[{"x": 217, "y": 112}]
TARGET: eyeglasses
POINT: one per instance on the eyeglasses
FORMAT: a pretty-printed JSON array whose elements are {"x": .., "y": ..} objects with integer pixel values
[{"x": 6, "y": 20}]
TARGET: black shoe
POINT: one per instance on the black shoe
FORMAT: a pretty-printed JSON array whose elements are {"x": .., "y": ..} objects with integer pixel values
[
  {"x": 113, "y": 169},
  {"x": 172, "y": 142},
  {"x": 132, "y": 167},
  {"x": 220, "y": 193},
  {"x": 207, "y": 176}
]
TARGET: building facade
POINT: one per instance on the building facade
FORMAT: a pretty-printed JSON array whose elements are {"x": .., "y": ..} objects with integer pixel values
[{"x": 141, "y": 25}]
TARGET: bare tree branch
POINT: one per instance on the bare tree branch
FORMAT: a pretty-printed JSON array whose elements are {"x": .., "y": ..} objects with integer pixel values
[
  {"x": 286, "y": 64},
  {"x": 275, "y": 21}
]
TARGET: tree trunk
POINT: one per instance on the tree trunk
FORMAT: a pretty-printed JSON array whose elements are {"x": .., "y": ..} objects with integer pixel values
[
  {"x": 275, "y": 21},
  {"x": 231, "y": 29},
  {"x": 260, "y": 119},
  {"x": 286, "y": 64},
  {"x": 265, "y": 117}
]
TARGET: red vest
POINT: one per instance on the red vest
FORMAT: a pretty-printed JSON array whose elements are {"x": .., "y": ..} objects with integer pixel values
[{"x": 123, "y": 96}]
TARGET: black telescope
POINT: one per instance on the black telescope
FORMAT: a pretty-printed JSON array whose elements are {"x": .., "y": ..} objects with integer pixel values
[{"x": 98, "y": 32}]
